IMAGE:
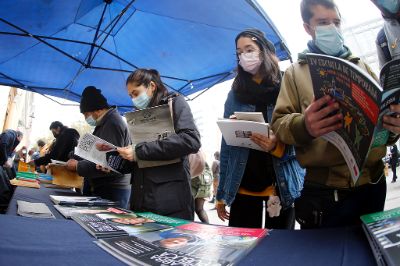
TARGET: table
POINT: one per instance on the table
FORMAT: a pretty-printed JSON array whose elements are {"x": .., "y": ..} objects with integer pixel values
[
  {"x": 63, "y": 242},
  {"x": 36, "y": 196}
]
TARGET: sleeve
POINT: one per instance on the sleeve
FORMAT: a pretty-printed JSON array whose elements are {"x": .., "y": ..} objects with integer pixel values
[
  {"x": 287, "y": 121},
  {"x": 184, "y": 142},
  {"x": 3, "y": 148}
]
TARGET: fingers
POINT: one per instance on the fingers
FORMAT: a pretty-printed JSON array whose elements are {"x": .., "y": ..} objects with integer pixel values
[
  {"x": 392, "y": 124},
  {"x": 267, "y": 144},
  {"x": 222, "y": 213},
  {"x": 318, "y": 104}
]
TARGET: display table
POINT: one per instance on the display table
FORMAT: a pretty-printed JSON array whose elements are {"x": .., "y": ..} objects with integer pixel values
[{"x": 63, "y": 242}]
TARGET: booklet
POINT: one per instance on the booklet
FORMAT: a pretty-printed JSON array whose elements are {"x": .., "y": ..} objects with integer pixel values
[
  {"x": 383, "y": 232},
  {"x": 127, "y": 222},
  {"x": 56, "y": 162},
  {"x": 163, "y": 219},
  {"x": 237, "y": 132},
  {"x": 362, "y": 102},
  {"x": 68, "y": 211},
  {"x": 151, "y": 124},
  {"x": 34, "y": 210},
  {"x": 81, "y": 201},
  {"x": 99, "y": 151}
]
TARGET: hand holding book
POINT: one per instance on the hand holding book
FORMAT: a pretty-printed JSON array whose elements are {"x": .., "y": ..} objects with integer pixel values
[
  {"x": 266, "y": 142},
  {"x": 392, "y": 122}
]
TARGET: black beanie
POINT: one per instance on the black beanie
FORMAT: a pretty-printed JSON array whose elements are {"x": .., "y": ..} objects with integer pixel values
[
  {"x": 92, "y": 100},
  {"x": 259, "y": 38}
]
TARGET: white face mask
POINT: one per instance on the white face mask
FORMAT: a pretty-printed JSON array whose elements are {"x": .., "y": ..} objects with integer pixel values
[
  {"x": 329, "y": 39},
  {"x": 250, "y": 62}
]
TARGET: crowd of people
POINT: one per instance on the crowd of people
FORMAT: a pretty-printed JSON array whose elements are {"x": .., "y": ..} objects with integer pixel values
[{"x": 297, "y": 176}]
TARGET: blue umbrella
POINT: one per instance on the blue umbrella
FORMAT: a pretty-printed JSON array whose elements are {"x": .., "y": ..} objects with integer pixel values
[{"x": 57, "y": 47}]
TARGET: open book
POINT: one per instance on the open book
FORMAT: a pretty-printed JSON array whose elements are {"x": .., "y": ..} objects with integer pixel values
[
  {"x": 151, "y": 124},
  {"x": 383, "y": 232},
  {"x": 237, "y": 132},
  {"x": 362, "y": 102},
  {"x": 99, "y": 151}
]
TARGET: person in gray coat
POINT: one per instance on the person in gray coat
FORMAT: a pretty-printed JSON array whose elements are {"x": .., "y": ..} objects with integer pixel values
[
  {"x": 165, "y": 189},
  {"x": 109, "y": 126}
]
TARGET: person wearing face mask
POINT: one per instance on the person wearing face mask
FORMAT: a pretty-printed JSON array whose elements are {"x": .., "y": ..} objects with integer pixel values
[
  {"x": 249, "y": 178},
  {"x": 66, "y": 140},
  {"x": 109, "y": 126},
  {"x": 165, "y": 189},
  {"x": 388, "y": 39},
  {"x": 329, "y": 198}
]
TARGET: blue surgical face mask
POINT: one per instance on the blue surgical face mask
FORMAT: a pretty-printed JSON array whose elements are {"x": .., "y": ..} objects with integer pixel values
[
  {"x": 142, "y": 100},
  {"x": 329, "y": 39},
  {"x": 390, "y": 5},
  {"x": 91, "y": 121}
]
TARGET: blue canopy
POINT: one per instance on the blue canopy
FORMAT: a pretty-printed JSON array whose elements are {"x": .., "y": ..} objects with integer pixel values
[{"x": 57, "y": 47}]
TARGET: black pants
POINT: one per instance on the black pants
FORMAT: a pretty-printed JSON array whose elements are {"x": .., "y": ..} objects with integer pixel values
[
  {"x": 393, "y": 166},
  {"x": 246, "y": 211},
  {"x": 321, "y": 206}
]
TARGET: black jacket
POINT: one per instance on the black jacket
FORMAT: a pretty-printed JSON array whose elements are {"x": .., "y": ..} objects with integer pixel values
[
  {"x": 166, "y": 189},
  {"x": 8, "y": 142},
  {"x": 112, "y": 129},
  {"x": 64, "y": 145}
]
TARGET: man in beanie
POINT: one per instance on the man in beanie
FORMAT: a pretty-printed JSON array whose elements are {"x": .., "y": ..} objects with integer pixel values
[
  {"x": 110, "y": 127},
  {"x": 66, "y": 140}
]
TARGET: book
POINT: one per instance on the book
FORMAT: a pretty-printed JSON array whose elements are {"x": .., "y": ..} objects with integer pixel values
[
  {"x": 56, "y": 162},
  {"x": 100, "y": 152},
  {"x": 383, "y": 232},
  {"x": 250, "y": 116},
  {"x": 135, "y": 251},
  {"x": 98, "y": 227},
  {"x": 151, "y": 124},
  {"x": 212, "y": 244},
  {"x": 34, "y": 210},
  {"x": 237, "y": 132},
  {"x": 45, "y": 178},
  {"x": 67, "y": 211},
  {"x": 362, "y": 101},
  {"x": 21, "y": 183},
  {"x": 81, "y": 201},
  {"x": 171, "y": 221},
  {"x": 127, "y": 222}
]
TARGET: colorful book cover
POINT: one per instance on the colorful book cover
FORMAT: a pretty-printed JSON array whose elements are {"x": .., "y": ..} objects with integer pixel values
[
  {"x": 68, "y": 211},
  {"x": 163, "y": 219}
]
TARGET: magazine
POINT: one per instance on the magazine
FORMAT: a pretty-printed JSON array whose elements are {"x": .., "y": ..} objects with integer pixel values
[
  {"x": 81, "y": 201},
  {"x": 64, "y": 177},
  {"x": 362, "y": 102},
  {"x": 237, "y": 132},
  {"x": 99, "y": 151},
  {"x": 33, "y": 210},
  {"x": 213, "y": 244},
  {"x": 151, "y": 124},
  {"x": 383, "y": 231},
  {"x": 68, "y": 211},
  {"x": 171, "y": 221},
  {"x": 135, "y": 251},
  {"x": 127, "y": 222}
]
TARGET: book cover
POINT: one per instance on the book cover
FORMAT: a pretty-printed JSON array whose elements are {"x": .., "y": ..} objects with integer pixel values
[
  {"x": 238, "y": 132},
  {"x": 384, "y": 229},
  {"x": 68, "y": 211},
  {"x": 65, "y": 178},
  {"x": 362, "y": 103},
  {"x": 99, "y": 151},
  {"x": 98, "y": 227},
  {"x": 151, "y": 124},
  {"x": 171, "y": 221},
  {"x": 135, "y": 251},
  {"x": 34, "y": 210},
  {"x": 81, "y": 201},
  {"x": 214, "y": 244}
]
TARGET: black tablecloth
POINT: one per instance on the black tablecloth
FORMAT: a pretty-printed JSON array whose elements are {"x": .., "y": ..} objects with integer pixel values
[
  {"x": 63, "y": 242},
  {"x": 37, "y": 195}
]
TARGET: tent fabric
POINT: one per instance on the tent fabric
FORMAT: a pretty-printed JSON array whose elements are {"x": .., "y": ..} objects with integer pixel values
[{"x": 58, "y": 48}]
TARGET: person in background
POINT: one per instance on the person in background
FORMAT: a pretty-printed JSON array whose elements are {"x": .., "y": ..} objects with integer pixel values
[
  {"x": 165, "y": 189},
  {"x": 249, "y": 178},
  {"x": 66, "y": 140},
  {"x": 215, "y": 173},
  {"x": 201, "y": 189},
  {"x": 9, "y": 140},
  {"x": 387, "y": 41},
  {"x": 110, "y": 127},
  {"x": 330, "y": 198},
  {"x": 394, "y": 160}
]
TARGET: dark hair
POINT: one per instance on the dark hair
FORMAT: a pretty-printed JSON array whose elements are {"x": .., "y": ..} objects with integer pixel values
[
  {"x": 40, "y": 143},
  {"x": 269, "y": 68},
  {"x": 144, "y": 77},
  {"x": 305, "y": 8},
  {"x": 55, "y": 125},
  {"x": 19, "y": 133}
]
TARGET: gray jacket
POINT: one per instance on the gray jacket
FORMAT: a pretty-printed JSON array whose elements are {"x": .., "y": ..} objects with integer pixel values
[{"x": 113, "y": 129}]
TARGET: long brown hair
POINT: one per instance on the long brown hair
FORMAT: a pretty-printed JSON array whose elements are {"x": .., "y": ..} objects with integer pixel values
[{"x": 143, "y": 77}]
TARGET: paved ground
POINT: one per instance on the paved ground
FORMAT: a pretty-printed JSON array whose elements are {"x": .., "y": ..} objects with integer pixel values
[{"x": 392, "y": 200}]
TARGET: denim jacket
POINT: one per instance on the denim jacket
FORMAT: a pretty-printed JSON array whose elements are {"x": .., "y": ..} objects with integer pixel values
[{"x": 233, "y": 160}]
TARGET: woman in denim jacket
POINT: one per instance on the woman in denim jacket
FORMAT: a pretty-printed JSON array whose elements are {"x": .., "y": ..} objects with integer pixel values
[{"x": 249, "y": 177}]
